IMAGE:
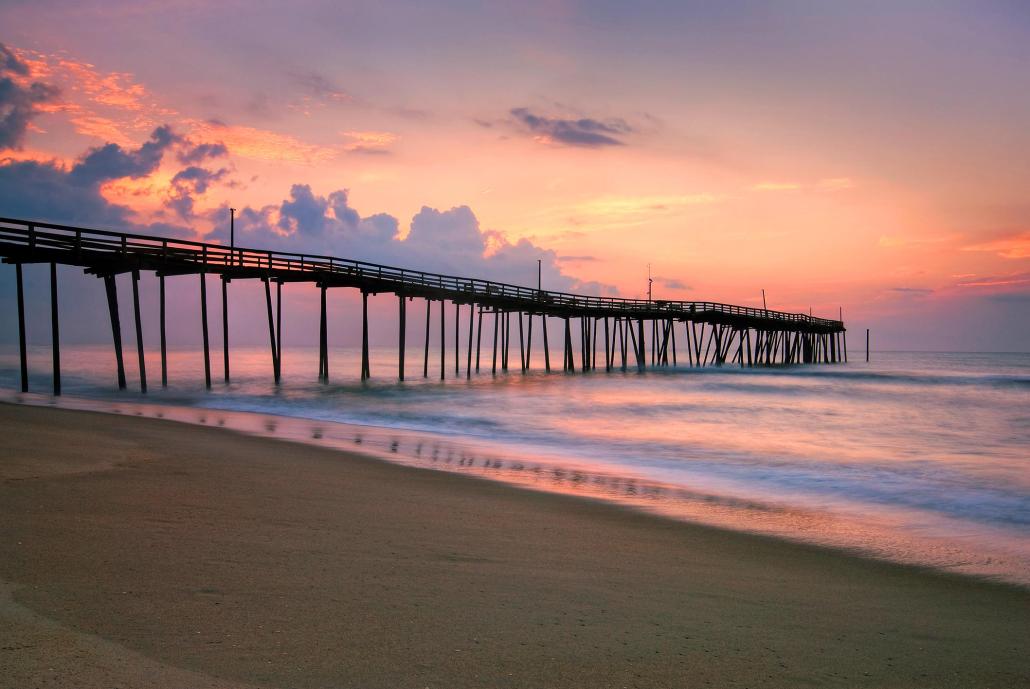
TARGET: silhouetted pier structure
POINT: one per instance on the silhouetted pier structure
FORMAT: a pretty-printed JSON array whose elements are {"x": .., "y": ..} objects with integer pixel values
[{"x": 633, "y": 333}]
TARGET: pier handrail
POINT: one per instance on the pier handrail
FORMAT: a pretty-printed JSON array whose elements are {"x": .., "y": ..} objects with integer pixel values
[{"x": 35, "y": 235}]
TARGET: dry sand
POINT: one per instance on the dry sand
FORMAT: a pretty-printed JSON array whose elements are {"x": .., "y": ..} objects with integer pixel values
[{"x": 145, "y": 553}]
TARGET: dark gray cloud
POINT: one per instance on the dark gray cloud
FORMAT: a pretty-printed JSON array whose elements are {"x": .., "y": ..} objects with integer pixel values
[
  {"x": 191, "y": 155},
  {"x": 18, "y": 102},
  {"x": 46, "y": 191},
  {"x": 672, "y": 283},
  {"x": 188, "y": 182},
  {"x": 113, "y": 162},
  {"x": 9, "y": 62},
  {"x": 320, "y": 87},
  {"x": 584, "y": 131}
]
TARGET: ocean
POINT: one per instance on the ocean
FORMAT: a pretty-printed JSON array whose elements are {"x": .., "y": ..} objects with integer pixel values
[{"x": 920, "y": 458}]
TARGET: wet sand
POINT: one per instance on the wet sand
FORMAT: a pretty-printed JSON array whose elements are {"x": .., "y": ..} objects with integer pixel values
[{"x": 139, "y": 552}]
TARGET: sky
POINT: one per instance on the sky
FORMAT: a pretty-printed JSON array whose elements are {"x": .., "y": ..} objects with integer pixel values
[{"x": 870, "y": 159}]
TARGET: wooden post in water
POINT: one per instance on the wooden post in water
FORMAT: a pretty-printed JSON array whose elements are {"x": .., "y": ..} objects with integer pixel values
[
  {"x": 607, "y": 347},
  {"x": 21, "y": 329},
  {"x": 642, "y": 358},
  {"x": 867, "y": 345},
  {"x": 271, "y": 330},
  {"x": 497, "y": 323},
  {"x": 584, "y": 344},
  {"x": 425, "y": 359},
  {"x": 443, "y": 338},
  {"x": 479, "y": 334},
  {"x": 505, "y": 340},
  {"x": 55, "y": 330},
  {"x": 468, "y": 362},
  {"x": 366, "y": 365},
  {"x": 323, "y": 337},
  {"x": 203, "y": 329},
  {"x": 547, "y": 348},
  {"x": 567, "y": 345},
  {"x": 672, "y": 332},
  {"x": 225, "y": 326},
  {"x": 116, "y": 328},
  {"x": 164, "y": 341},
  {"x": 522, "y": 345},
  {"x": 529, "y": 339},
  {"x": 402, "y": 328},
  {"x": 278, "y": 330},
  {"x": 457, "y": 348},
  {"x": 139, "y": 332}
]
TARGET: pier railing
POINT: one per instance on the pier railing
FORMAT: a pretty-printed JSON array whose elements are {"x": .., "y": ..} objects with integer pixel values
[{"x": 84, "y": 246}]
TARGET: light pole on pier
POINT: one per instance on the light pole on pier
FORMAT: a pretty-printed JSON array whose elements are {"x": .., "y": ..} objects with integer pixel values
[{"x": 232, "y": 232}]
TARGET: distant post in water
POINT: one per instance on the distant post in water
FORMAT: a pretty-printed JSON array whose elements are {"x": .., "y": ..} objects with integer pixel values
[{"x": 867, "y": 345}]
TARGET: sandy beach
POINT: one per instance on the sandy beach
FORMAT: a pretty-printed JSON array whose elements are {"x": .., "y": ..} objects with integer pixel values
[{"x": 140, "y": 552}]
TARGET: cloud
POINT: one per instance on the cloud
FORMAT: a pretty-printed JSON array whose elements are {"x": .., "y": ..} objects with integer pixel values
[
  {"x": 320, "y": 87},
  {"x": 585, "y": 132},
  {"x": 200, "y": 152},
  {"x": 20, "y": 98},
  {"x": 1015, "y": 245},
  {"x": 836, "y": 183},
  {"x": 671, "y": 283},
  {"x": 113, "y": 162},
  {"x": 776, "y": 186},
  {"x": 113, "y": 107},
  {"x": 189, "y": 182},
  {"x": 260, "y": 144},
  {"x": 894, "y": 241},
  {"x": 444, "y": 241},
  {"x": 912, "y": 291},
  {"x": 370, "y": 142},
  {"x": 997, "y": 281},
  {"x": 46, "y": 190}
]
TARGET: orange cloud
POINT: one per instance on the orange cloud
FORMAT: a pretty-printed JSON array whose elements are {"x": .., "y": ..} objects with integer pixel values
[
  {"x": 1015, "y": 246},
  {"x": 113, "y": 107},
  {"x": 115, "y": 89},
  {"x": 369, "y": 141},
  {"x": 835, "y": 183},
  {"x": 776, "y": 186},
  {"x": 260, "y": 144},
  {"x": 1002, "y": 281}
]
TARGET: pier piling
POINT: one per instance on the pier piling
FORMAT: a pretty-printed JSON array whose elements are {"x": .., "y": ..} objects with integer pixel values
[
  {"x": 55, "y": 330},
  {"x": 23, "y": 354},
  {"x": 116, "y": 326},
  {"x": 139, "y": 332}
]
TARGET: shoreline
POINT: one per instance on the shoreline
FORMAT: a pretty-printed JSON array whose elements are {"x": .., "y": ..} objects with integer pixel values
[
  {"x": 252, "y": 560},
  {"x": 863, "y": 535}
]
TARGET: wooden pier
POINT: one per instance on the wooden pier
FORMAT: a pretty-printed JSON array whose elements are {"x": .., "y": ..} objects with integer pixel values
[{"x": 633, "y": 333}]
